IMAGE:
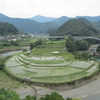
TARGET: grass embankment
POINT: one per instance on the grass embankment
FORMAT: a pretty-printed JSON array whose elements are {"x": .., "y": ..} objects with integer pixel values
[{"x": 8, "y": 82}]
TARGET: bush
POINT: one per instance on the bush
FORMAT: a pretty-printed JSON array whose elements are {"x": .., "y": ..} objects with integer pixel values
[
  {"x": 1, "y": 65},
  {"x": 2, "y": 61},
  {"x": 7, "y": 94},
  {"x": 24, "y": 50}
]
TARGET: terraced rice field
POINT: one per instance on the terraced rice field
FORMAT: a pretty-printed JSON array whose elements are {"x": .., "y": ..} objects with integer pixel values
[{"x": 50, "y": 67}]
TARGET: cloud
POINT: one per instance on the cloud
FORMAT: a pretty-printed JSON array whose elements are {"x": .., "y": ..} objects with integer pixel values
[{"x": 52, "y": 8}]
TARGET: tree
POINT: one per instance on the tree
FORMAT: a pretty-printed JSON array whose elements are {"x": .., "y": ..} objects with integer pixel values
[
  {"x": 69, "y": 99},
  {"x": 33, "y": 45},
  {"x": 82, "y": 45},
  {"x": 8, "y": 94},
  {"x": 52, "y": 96},
  {"x": 70, "y": 45},
  {"x": 86, "y": 55},
  {"x": 28, "y": 97},
  {"x": 1, "y": 65}
]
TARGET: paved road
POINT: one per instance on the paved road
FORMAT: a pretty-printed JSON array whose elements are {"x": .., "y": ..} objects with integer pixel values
[{"x": 81, "y": 92}]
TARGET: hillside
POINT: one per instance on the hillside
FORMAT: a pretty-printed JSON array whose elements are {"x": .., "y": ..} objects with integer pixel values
[
  {"x": 28, "y": 25},
  {"x": 8, "y": 29},
  {"x": 75, "y": 27},
  {"x": 93, "y": 24}
]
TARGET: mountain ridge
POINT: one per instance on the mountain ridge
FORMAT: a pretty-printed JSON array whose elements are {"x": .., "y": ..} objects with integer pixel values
[
  {"x": 75, "y": 27},
  {"x": 34, "y": 27},
  {"x": 27, "y": 25},
  {"x": 42, "y": 19}
]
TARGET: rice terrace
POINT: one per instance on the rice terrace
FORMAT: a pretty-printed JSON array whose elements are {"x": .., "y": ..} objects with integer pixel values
[{"x": 49, "y": 65}]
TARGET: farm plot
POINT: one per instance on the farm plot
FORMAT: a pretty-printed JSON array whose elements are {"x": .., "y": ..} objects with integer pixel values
[
  {"x": 92, "y": 69},
  {"x": 52, "y": 67},
  {"x": 16, "y": 70},
  {"x": 81, "y": 64},
  {"x": 12, "y": 62},
  {"x": 42, "y": 60}
]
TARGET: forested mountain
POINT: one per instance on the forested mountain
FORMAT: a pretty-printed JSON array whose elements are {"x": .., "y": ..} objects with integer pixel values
[
  {"x": 28, "y": 25},
  {"x": 42, "y": 19},
  {"x": 98, "y": 24},
  {"x": 75, "y": 27},
  {"x": 92, "y": 19},
  {"x": 60, "y": 21},
  {"x": 93, "y": 24},
  {"x": 34, "y": 27},
  {"x": 8, "y": 29}
]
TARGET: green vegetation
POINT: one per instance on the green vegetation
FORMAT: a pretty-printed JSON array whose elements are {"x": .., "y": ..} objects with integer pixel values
[
  {"x": 8, "y": 29},
  {"x": 75, "y": 27},
  {"x": 48, "y": 63},
  {"x": 2, "y": 61},
  {"x": 73, "y": 46},
  {"x": 5, "y": 80},
  {"x": 8, "y": 94},
  {"x": 55, "y": 96},
  {"x": 83, "y": 56},
  {"x": 33, "y": 45}
]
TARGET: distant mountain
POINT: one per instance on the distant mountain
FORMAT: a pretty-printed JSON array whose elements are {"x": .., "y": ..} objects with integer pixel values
[
  {"x": 34, "y": 27},
  {"x": 8, "y": 29},
  {"x": 98, "y": 24},
  {"x": 28, "y": 25},
  {"x": 60, "y": 21},
  {"x": 75, "y": 27},
  {"x": 93, "y": 19},
  {"x": 42, "y": 19},
  {"x": 93, "y": 24}
]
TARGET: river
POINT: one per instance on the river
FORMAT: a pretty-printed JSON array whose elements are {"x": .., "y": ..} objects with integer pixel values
[{"x": 10, "y": 53}]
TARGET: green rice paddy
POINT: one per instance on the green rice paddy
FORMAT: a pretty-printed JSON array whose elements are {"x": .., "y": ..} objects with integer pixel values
[{"x": 44, "y": 66}]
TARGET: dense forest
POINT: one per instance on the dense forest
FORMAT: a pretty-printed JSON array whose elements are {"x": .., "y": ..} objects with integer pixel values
[
  {"x": 75, "y": 27},
  {"x": 8, "y": 29}
]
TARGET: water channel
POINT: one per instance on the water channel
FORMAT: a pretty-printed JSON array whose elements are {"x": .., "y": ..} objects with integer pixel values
[{"x": 10, "y": 53}]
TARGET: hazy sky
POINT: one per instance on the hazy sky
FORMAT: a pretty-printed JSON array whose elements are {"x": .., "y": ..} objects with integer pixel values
[{"x": 49, "y": 8}]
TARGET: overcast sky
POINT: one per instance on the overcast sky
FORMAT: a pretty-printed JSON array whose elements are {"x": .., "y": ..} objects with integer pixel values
[{"x": 49, "y": 8}]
